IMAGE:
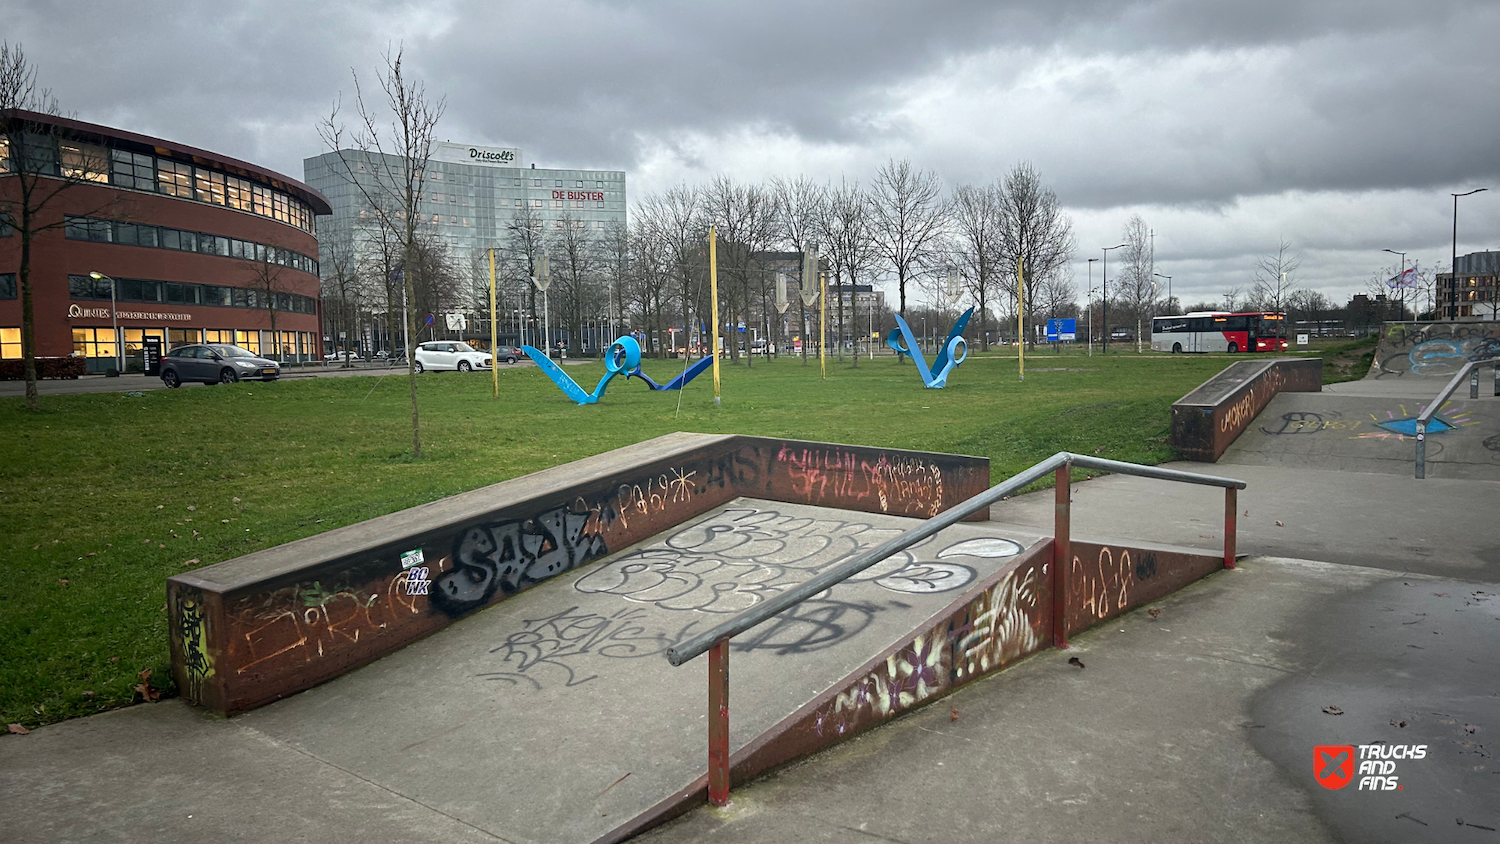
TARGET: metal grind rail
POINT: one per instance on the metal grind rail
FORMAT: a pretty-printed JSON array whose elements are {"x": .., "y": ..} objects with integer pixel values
[
  {"x": 1471, "y": 372},
  {"x": 715, "y": 641}
]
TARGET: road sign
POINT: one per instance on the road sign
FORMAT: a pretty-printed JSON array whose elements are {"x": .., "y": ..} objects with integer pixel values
[
  {"x": 1062, "y": 329},
  {"x": 429, "y": 319}
]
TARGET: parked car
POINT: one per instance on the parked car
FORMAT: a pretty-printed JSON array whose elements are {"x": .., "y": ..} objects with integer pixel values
[
  {"x": 509, "y": 354},
  {"x": 216, "y": 364},
  {"x": 449, "y": 354}
]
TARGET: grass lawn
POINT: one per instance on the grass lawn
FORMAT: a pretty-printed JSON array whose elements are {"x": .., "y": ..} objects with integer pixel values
[{"x": 104, "y": 496}]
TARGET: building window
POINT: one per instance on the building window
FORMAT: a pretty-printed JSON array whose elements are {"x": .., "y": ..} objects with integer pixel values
[
  {"x": 237, "y": 193},
  {"x": 94, "y": 342},
  {"x": 538, "y": 183},
  {"x": 536, "y": 203},
  {"x": 7, "y": 285},
  {"x": 174, "y": 178},
  {"x": 601, "y": 205},
  {"x": 209, "y": 186},
  {"x": 85, "y": 161},
  {"x": 132, "y": 170},
  {"x": 557, "y": 203},
  {"x": 10, "y": 343}
]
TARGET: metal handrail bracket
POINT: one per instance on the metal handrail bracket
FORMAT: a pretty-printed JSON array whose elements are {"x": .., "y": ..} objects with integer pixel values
[{"x": 1470, "y": 371}]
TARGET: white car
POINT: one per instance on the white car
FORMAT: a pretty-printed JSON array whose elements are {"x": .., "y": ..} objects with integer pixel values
[{"x": 447, "y": 354}]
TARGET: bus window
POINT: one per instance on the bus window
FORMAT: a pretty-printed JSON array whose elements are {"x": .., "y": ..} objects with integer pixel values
[{"x": 1237, "y": 323}]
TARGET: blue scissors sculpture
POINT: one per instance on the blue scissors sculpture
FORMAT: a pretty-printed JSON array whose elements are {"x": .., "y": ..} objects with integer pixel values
[
  {"x": 952, "y": 353},
  {"x": 622, "y": 357}
]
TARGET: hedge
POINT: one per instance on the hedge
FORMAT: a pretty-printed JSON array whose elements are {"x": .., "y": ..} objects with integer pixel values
[{"x": 68, "y": 367}]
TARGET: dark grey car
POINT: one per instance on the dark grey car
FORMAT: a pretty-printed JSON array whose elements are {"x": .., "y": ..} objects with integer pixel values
[{"x": 215, "y": 363}]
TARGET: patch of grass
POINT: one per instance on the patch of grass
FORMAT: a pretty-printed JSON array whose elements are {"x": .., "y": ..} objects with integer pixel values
[
  {"x": 1348, "y": 361},
  {"x": 104, "y": 496}
]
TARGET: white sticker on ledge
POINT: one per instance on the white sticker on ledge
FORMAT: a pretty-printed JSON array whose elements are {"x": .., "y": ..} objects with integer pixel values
[{"x": 411, "y": 558}]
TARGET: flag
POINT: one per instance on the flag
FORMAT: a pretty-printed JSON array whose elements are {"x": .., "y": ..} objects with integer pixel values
[{"x": 1406, "y": 279}]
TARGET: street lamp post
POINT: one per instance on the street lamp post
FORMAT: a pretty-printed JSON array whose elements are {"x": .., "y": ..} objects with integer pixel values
[
  {"x": 1453, "y": 259},
  {"x": 1169, "y": 287},
  {"x": 114, "y": 321},
  {"x": 1089, "y": 304},
  {"x": 1106, "y": 295}
]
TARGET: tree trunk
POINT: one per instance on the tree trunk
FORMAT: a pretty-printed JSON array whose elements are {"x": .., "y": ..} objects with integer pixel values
[{"x": 28, "y": 315}]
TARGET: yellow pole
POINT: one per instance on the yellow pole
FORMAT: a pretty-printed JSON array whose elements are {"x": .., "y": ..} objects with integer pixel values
[
  {"x": 1021, "y": 312},
  {"x": 494, "y": 347},
  {"x": 822, "y": 322},
  {"x": 713, "y": 286}
]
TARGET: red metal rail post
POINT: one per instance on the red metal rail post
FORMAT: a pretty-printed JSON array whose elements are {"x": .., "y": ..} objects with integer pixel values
[
  {"x": 1062, "y": 552},
  {"x": 1230, "y": 507},
  {"x": 718, "y": 723}
]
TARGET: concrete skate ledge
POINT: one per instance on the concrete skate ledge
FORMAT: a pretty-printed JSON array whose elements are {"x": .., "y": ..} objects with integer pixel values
[
  {"x": 251, "y": 630},
  {"x": 1206, "y": 421}
]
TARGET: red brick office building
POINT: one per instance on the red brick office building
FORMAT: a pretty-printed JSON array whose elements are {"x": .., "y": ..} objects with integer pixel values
[{"x": 194, "y": 247}]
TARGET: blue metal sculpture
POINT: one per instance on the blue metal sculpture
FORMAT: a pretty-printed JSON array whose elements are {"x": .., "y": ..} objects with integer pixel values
[
  {"x": 622, "y": 357},
  {"x": 952, "y": 353}
]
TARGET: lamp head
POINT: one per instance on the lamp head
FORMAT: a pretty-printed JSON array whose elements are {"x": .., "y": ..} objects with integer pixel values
[{"x": 96, "y": 276}]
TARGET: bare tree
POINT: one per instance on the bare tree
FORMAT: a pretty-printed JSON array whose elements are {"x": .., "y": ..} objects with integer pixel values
[
  {"x": 844, "y": 227},
  {"x": 673, "y": 229},
  {"x": 272, "y": 286},
  {"x": 614, "y": 266},
  {"x": 746, "y": 218},
  {"x": 574, "y": 267},
  {"x": 527, "y": 237},
  {"x": 1035, "y": 233},
  {"x": 40, "y": 165},
  {"x": 1275, "y": 278},
  {"x": 394, "y": 157},
  {"x": 1232, "y": 297},
  {"x": 978, "y": 227},
  {"x": 1136, "y": 284},
  {"x": 908, "y": 215}
]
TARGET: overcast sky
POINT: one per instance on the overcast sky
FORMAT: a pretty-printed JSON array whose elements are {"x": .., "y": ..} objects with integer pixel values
[{"x": 1340, "y": 126}]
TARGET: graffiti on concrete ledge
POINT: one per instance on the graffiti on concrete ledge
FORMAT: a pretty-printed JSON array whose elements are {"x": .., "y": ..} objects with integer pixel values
[
  {"x": 197, "y": 664},
  {"x": 566, "y": 641},
  {"x": 510, "y": 556}
]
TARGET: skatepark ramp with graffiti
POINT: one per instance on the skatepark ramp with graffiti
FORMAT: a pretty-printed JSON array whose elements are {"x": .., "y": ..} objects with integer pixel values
[
  {"x": 1432, "y": 349},
  {"x": 547, "y": 708},
  {"x": 1207, "y": 421}
]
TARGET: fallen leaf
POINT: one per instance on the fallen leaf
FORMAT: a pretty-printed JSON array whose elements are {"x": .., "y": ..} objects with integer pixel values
[
  {"x": 235, "y": 499},
  {"x": 192, "y": 562},
  {"x": 92, "y": 554},
  {"x": 1073, "y": 660},
  {"x": 16, "y": 729},
  {"x": 1332, "y": 710},
  {"x": 953, "y": 716},
  {"x": 144, "y": 689},
  {"x": 88, "y": 693},
  {"x": 62, "y": 582},
  {"x": 114, "y": 659},
  {"x": 1398, "y": 723},
  {"x": 1247, "y": 514},
  {"x": 161, "y": 506},
  {"x": 1279, "y": 524},
  {"x": 192, "y": 506},
  {"x": 223, "y": 521},
  {"x": 36, "y": 547},
  {"x": 1153, "y": 612}
]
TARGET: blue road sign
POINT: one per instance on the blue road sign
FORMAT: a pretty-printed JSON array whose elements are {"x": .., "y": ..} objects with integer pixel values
[
  {"x": 429, "y": 319},
  {"x": 1062, "y": 329}
]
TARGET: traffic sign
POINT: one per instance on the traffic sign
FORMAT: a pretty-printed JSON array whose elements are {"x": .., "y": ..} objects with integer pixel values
[
  {"x": 1062, "y": 329},
  {"x": 429, "y": 319}
]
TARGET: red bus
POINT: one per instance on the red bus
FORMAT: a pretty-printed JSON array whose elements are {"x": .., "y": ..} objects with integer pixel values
[{"x": 1219, "y": 331}]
